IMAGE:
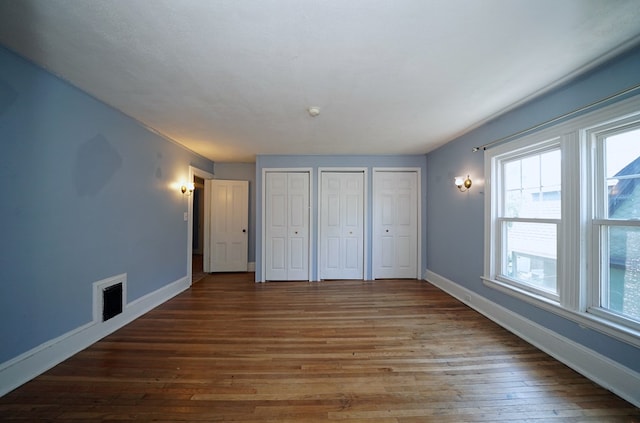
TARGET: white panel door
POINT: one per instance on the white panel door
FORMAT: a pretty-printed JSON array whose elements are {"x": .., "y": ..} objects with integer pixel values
[
  {"x": 287, "y": 226},
  {"x": 341, "y": 225},
  {"x": 229, "y": 224},
  {"x": 395, "y": 224}
]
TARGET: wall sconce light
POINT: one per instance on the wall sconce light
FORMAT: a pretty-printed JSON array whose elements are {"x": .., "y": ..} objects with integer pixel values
[
  {"x": 187, "y": 188},
  {"x": 463, "y": 184}
]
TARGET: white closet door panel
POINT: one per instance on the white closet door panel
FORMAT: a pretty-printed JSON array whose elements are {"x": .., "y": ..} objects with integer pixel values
[
  {"x": 333, "y": 212},
  {"x": 287, "y": 226},
  {"x": 388, "y": 252},
  {"x": 404, "y": 251},
  {"x": 333, "y": 247},
  {"x": 395, "y": 226},
  {"x": 352, "y": 212},
  {"x": 296, "y": 254},
  {"x": 342, "y": 225},
  {"x": 277, "y": 259},
  {"x": 388, "y": 207},
  {"x": 352, "y": 256},
  {"x": 276, "y": 242}
]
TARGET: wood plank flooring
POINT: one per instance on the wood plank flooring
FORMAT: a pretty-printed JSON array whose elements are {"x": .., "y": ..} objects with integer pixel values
[{"x": 350, "y": 351}]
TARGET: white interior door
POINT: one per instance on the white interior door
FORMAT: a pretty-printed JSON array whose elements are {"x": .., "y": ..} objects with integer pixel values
[
  {"x": 395, "y": 224},
  {"x": 229, "y": 225},
  {"x": 341, "y": 225},
  {"x": 287, "y": 226}
]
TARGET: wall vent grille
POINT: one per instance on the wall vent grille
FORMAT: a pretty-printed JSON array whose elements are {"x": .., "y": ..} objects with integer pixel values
[
  {"x": 109, "y": 298},
  {"x": 111, "y": 301}
]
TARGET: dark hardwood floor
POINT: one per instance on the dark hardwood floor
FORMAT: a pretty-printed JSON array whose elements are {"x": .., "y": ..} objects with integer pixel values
[
  {"x": 197, "y": 262},
  {"x": 385, "y": 351}
]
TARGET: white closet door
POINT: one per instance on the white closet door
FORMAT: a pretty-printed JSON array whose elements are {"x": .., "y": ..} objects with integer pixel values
[
  {"x": 229, "y": 225},
  {"x": 276, "y": 242},
  {"x": 287, "y": 226},
  {"x": 298, "y": 209},
  {"x": 341, "y": 225},
  {"x": 395, "y": 224}
]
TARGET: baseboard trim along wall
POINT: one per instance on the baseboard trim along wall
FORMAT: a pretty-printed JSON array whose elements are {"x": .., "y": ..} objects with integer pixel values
[
  {"x": 613, "y": 376},
  {"x": 38, "y": 360}
]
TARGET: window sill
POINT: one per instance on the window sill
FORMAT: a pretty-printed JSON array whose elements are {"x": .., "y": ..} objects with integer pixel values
[{"x": 588, "y": 320}]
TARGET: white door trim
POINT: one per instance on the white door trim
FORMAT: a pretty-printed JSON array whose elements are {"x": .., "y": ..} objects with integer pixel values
[
  {"x": 365, "y": 208},
  {"x": 417, "y": 170},
  {"x": 264, "y": 220},
  {"x": 200, "y": 173}
]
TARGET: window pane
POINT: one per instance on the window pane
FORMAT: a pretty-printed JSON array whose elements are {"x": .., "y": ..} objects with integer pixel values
[
  {"x": 622, "y": 293},
  {"x": 512, "y": 174},
  {"x": 531, "y": 172},
  {"x": 622, "y": 150},
  {"x": 530, "y": 255},
  {"x": 550, "y": 165},
  {"x": 622, "y": 154},
  {"x": 532, "y": 186}
]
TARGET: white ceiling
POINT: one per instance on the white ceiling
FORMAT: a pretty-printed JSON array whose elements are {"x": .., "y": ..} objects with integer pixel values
[{"x": 230, "y": 79}]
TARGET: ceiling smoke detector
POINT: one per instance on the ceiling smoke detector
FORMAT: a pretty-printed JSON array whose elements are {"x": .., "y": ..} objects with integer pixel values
[{"x": 313, "y": 111}]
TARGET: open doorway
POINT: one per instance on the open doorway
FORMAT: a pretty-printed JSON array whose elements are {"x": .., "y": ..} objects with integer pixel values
[
  {"x": 197, "y": 227},
  {"x": 197, "y": 244}
]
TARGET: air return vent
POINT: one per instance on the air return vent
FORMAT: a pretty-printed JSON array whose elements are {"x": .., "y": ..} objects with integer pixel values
[
  {"x": 111, "y": 301},
  {"x": 109, "y": 297}
]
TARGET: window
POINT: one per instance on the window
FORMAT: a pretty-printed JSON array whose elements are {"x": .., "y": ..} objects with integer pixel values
[
  {"x": 528, "y": 220},
  {"x": 563, "y": 219},
  {"x": 616, "y": 223}
]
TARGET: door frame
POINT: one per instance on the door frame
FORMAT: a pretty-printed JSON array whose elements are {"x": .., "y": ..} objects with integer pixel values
[
  {"x": 263, "y": 240},
  {"x": 201, "y": 173},
  {"x": 417, "y": 170},
  {"x": 365, "y": 217}
]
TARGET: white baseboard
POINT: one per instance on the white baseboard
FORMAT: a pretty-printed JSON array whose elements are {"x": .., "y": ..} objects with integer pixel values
[
  {"x": 251, "y": 267},
  {"x": 38, "y": 360},
  {"x": 607, "y": 373}
]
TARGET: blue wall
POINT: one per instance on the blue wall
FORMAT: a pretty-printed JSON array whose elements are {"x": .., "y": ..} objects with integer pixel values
[
  {"x": 455, "y": 221},
  {"x": 88, "y": 193},
  {"x": 315, "y": 162}
]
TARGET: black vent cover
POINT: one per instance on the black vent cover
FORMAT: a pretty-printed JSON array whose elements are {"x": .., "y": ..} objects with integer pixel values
[{"x": 111, "y": 301}]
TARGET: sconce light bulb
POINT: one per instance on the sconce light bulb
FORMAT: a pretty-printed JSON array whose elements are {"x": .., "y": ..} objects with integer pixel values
[
  {"x": 187, "y": 187},
  {"x": 467, "y": 182},
  {"x": 462, "y": 183}
]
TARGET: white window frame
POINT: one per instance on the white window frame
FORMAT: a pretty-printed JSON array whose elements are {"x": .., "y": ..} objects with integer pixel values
[
  {"x": 500, "y": 219},
  {"x": 594, "y": 138},
  {"x": 577, "y": 279}
]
